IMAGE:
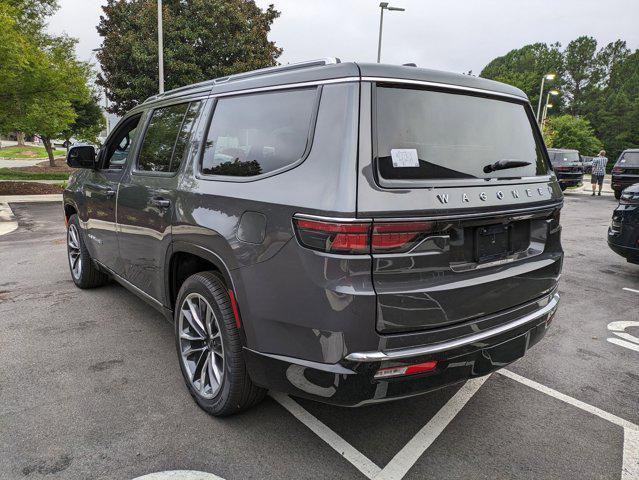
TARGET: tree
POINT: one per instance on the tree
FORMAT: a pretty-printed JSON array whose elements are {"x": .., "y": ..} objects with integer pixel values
[
  {"x": 567, "y": 131},
  {"x": 89, "y": 120},
  {"x": 203, "y": 39},
  {"x": 525, "y": 67}
]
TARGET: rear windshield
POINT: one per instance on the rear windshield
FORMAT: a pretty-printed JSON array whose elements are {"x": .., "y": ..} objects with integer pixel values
[
  {"x": 629, "y": 158},
  {"x": 563, "y": 157},
  {"x": 432, "y": 135}
]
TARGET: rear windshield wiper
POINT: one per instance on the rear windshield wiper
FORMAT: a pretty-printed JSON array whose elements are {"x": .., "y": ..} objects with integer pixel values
[{"x": 504, "y": 164}]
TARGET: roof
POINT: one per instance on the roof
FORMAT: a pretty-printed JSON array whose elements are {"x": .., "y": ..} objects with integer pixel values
[
  {"x": 333, "y": 69},
  {"x": 562, "y": 150}
]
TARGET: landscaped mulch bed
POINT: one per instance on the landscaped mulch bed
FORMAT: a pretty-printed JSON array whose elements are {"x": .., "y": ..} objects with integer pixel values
[
  {"x": 28, "y": 188},
  {"x": 44, "y": 167}
]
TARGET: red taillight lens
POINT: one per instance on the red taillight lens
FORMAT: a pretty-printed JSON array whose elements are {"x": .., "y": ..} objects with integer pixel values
[
  {"x": 333, "y": 237},
  {"x": 403, "y": 370},
  {"x": 617, "y": 170},
  {"x": 360, "y": 237},
  {"x": 398, "y": 237}
]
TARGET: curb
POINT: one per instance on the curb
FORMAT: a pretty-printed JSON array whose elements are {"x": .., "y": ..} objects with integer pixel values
[
  {"x": 7, "y": 220},
  {"x": 50, "y": 197}
]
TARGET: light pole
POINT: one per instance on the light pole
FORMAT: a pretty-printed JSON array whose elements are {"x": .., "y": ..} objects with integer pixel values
[
  {"x": 384, "y": 6},
  {"x": 160, "y": 47},
  {"x": 106, "y": 101},
  {"x": 548, "y": 105},
  {"x": 548, "y": 76}
]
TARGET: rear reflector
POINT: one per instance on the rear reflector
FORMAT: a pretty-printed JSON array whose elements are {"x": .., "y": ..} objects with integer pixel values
[
  {"x": 406, "y": 370},
  {"x": 360, "y": 237},
  {"x": 236, "y": 312}
]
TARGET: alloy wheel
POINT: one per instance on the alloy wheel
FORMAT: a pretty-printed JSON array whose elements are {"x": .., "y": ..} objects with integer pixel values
[
  {"x": 73, "y": 247},
  {"x": 201, "y": 347}
]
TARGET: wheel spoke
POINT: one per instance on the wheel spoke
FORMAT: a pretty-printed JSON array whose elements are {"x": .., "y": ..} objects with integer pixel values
[
  {"x": 214, "y": 371},
  {"x": 192, "y": 338},
  {"x": 195, "y": 319},
  {"x": 204, "y": 371},
  {"x": 198, "y": 365},
  {"x": 191, "y": 350}
]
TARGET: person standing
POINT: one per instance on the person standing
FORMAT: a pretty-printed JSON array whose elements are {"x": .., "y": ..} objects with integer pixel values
[{"x": 598, "y": 171}]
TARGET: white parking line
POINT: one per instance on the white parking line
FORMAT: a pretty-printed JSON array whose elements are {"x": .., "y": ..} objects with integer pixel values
[
  {"x": 415, "y": 448},
  {"x": 630, "y": 462},
  {"x": 337, "y": 443},
  {"x": 630, "y": 290}
]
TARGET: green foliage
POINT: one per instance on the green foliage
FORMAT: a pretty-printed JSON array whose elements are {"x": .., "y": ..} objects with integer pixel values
[
  {"x": 525, "y": 67},
  {"x": 18, "y": 152},
  {"x": 89, "y": 120},
  {"x": 40, "y": 78},
  {"x": 203, "y": 39},
  {"x": 566, "y": 131},
  {"x": 16, "y": 174}
]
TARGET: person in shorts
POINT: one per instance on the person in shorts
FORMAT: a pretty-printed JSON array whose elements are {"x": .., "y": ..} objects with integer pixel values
[{"x": 598, "y": 171}]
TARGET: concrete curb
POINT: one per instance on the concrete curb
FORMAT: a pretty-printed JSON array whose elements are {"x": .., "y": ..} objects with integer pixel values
[
  {"x": 7, "y": 220},
  {"x": 51, "y": 197}
]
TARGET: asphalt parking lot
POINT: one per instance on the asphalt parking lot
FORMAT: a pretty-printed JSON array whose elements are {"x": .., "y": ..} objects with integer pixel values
[{"x": 90, "y": 386}]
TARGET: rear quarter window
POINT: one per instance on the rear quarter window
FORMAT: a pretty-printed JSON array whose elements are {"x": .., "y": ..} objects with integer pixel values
[
  {"x": 427, "y": 135},
  {"x": 630, "y": 159},
  {"x": 257, "y": 134}
]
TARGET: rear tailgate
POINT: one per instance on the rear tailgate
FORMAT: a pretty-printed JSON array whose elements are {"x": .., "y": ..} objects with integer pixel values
[{"x": 491, "y": 240}]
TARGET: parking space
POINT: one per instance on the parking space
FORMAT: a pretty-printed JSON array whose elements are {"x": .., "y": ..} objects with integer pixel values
[{"x": 90, "y": 387}]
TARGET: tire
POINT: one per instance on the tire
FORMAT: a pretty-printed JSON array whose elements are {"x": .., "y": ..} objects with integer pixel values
[
  {"x": 617, "y": 194},
  {"x": 83, "y": 271},
  {"x": 217, "y": 348}
]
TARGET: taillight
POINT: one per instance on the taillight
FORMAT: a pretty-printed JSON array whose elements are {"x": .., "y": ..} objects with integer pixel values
[
  {"x": 333, "y": 237},
  {"x": 617, "y": 170},
  {"x": 398, "y": 237},
  {"x": 360, "y": 237}
]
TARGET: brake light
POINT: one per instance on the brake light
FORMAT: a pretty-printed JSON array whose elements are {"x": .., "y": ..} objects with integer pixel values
[
  {"x": 360, "y": 237},
  {"x": 617, "y": 170},
  {"x": 333, "y": 237},
  {"x": 406, "y": 370},
  {"x": 398, "y": 236}
]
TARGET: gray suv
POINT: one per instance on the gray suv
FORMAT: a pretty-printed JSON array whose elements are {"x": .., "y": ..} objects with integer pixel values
[{"x": 345, "y": 232}]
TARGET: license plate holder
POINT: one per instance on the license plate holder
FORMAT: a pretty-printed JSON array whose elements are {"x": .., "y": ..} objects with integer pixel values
[{"x": 492, "y": 243}]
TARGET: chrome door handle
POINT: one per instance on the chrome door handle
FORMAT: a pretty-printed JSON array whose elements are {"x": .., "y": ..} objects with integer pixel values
[{"x": 160, "y": 202}]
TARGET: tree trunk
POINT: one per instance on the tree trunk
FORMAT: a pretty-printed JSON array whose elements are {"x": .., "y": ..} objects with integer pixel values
[
  {"x": 20, "y": 136},
  {"x": 47, "y": 145}
]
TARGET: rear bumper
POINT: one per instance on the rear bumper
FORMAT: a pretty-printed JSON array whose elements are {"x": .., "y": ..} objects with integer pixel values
[
  {"x": 630, "y": 253},
  {"x": 351, "y": 381},
  {"x": 619, "y": 182}
]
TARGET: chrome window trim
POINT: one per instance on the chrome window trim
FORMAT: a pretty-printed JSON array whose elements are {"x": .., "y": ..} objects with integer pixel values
[
  {"x": 285, "y": 86},
  {"x": 446, "y": 86},
  {"x": 459, "y": 342}
]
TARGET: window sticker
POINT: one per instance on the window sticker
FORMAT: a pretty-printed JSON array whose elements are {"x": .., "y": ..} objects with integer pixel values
[{"x": 404, "y": 157}]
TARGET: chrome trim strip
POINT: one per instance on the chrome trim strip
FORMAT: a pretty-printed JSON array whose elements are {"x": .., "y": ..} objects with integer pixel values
[
  {"x": 129, "y": 285},
  {"x": 459, "y": 342},
  {"x": 285, "y": 86},
  {"x": 460, "y": 216},
  {"x": 448, "y": 86}
]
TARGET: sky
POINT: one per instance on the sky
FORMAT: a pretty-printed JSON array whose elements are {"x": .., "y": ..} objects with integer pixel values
[{"x": 454, "y": 35}]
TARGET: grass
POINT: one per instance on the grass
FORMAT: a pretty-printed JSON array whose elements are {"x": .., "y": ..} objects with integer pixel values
[
  {"x": 27, "y": 152},
  {"x": 12, "y": 174}
]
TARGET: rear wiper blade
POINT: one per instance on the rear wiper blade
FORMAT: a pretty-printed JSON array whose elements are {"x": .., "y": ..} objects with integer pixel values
[{"x": 504, "y": 164}]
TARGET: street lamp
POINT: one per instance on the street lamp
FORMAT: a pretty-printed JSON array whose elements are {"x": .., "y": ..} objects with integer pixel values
[
  {"x": 384, "y": 6},
  {"x": 160, "y": 48},
  {"x": 548, "y": 76},
  {"x": 548, "y": 105},
  {"x": 106, "y": 102}
]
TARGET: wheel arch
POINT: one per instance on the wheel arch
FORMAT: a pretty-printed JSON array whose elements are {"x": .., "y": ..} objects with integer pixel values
[{"x": 186, "y": 259}]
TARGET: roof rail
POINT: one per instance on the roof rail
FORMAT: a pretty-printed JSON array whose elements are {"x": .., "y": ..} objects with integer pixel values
[{"x": 253, "y": 73}]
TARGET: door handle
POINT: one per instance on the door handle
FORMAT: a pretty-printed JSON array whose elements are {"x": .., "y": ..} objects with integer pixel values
[
  {"x": 161, "y": 202},
  {"x": 109, "y": 192}
]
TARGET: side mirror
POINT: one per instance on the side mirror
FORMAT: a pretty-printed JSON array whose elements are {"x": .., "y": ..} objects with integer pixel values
[{"x": 81, "y": 156}]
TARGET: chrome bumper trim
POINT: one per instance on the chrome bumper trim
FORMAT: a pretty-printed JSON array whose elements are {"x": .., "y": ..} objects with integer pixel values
[{"x": 459, "y": 342}]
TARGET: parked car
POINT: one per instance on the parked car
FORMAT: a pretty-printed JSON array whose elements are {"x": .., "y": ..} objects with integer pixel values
[
  {"x": 623, "y": 233},
  {"x": 586, "y": 161},
  {"x": 349, "y": 233},
  {"x": 626, "y": 171},
  {"x": 568, "y": 166}
]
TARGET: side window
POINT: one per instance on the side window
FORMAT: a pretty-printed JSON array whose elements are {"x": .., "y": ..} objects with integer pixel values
[
  {"x": 259, "y": 133},
  {"x": 184, "y": 135},
  {"x": 161, "y": 136},
  {"x": 119, "y": 146}
]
